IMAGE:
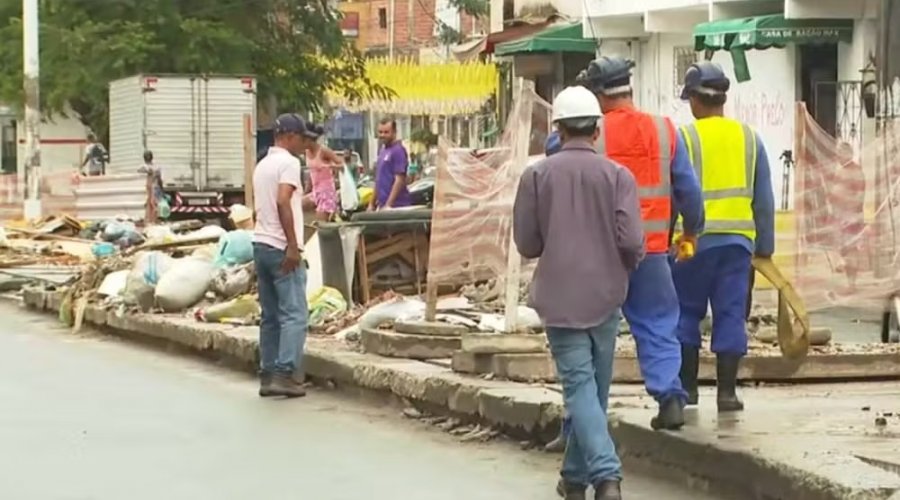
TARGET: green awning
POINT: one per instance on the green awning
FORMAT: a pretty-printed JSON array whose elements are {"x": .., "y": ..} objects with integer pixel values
[
  {"x": 558, "y": 38},
  {"x": 762, "y": 32}
]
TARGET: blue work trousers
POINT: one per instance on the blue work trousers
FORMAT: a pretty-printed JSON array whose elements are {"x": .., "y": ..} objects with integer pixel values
[
  {"x": 651, "y": 309},
  {"x": 584, "y": 361},
  {"x": 718, "y": 277},
  {"x": 282, "y": 298}
]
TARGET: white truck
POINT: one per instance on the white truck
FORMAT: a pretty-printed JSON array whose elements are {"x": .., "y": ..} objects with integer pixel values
[{"x": 195, "y": 127}]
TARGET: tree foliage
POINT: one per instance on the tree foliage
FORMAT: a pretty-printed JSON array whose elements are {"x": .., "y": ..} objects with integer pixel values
[{"x": 84, "y": 44}]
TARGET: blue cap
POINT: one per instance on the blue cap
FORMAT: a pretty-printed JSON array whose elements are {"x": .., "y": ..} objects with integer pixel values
[
  {"x": 608, "y": 75},
  {"x": 700, "y": 76},
  {"x": 292, "y": 123},
  {"x": 553, "y": 144}
]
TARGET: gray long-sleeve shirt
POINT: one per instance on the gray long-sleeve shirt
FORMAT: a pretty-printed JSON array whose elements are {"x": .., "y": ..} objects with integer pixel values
[{"x": 579, "y": 213}]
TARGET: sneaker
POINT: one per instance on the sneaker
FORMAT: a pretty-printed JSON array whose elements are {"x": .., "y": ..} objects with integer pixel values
[{"x": 285, "y": 385}]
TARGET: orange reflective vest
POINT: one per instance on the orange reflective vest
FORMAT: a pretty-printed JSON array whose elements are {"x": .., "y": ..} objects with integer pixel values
[{"x": 645, "y": 144}]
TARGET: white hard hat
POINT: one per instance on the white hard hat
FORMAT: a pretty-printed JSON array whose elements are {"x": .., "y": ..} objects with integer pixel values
[{"x": 575, "y": 102}]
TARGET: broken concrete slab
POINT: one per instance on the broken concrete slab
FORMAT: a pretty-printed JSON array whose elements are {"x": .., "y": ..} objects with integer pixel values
[
  {"x": 402, "y": 345},
  {"x": 533, "y": 367},
  {"x": 494, "y": 343},
  {"x": 470, "y": 362},
  {"x": 429, "y": 328}
]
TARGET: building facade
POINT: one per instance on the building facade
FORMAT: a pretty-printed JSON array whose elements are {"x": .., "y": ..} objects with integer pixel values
[
  {"x": 826, "y": 57},
  {"x": 406, "y": 28}
]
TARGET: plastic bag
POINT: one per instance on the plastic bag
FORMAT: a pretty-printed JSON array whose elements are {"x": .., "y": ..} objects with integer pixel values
[
  {"x": 184, "y": 284},
  {"x": 232, "y": 281},
  {"x": 152, "y": 266},
  {"x": 324, "y": 304},
  {"x": 235, "y": 248},
  {"x": 163, "y": 210},
  {"x": 245, "y": 308},
  {"x": 349, "y": 195},
  {"x": 103, "y": 249},
  {"x": 116, "y": 229},
  {"x": 400, "y": 309},
  {"x": 137, "y": 291}
]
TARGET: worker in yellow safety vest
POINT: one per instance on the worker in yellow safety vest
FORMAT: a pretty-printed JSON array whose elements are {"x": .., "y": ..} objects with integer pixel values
[{"x": 733, "y": 169}]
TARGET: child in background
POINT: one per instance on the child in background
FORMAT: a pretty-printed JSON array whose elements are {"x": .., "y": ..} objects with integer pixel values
[{"x": 322, "y": 163}]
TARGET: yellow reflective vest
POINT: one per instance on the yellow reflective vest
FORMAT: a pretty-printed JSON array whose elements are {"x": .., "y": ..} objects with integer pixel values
[{"x": 723, "y": 152}]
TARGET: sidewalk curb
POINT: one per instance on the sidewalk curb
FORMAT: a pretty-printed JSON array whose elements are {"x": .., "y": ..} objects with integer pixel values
[{"x": 523, "y": 411}]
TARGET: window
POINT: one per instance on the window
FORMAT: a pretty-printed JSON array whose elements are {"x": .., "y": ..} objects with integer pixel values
[
  {"x": 683, "y": 58},
  {"x": 382, "y": 18}
]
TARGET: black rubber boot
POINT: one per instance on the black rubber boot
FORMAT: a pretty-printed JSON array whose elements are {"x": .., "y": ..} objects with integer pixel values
[
  {"x": 670, "y": 416},
  {"x": 690, "y": 365},
  {"x": 608, "y": 490},
  {"x": 726, "y": 380},
  {"x": 571, "y": 491}
]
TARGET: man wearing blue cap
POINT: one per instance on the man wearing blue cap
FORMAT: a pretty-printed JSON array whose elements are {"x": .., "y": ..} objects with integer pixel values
[
  {"x": 277, "y": 248},
  {"x": 731, "y": 163},
  {"x": 650, "y": 147}
]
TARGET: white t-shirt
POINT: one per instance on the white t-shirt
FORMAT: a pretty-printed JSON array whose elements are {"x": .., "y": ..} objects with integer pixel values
[{"x": 278, "y": 167}]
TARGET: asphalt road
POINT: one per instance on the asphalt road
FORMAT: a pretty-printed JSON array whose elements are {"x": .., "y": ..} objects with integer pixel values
[{"x": 88, "y": 416}]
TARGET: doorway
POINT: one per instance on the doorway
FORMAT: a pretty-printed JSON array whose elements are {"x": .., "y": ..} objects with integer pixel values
[{"x": 819, "y": 83}]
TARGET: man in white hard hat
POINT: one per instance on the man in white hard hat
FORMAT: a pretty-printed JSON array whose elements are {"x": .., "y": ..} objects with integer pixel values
[{"x": 579, "y": 213}]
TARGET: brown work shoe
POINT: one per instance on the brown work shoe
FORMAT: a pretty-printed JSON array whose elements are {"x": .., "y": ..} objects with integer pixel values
[
  {"x": 265, "y": 385},
  {"x": 285, "y": 385},
  {"x": 608, "y": 490},
  {"x": 571, "y": 491}
]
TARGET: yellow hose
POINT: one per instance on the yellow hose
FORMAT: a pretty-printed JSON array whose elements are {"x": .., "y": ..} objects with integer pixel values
[{"x": 793, "y": 336}]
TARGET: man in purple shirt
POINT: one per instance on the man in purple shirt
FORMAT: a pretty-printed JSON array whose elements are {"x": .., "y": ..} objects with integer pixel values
[{"x": 390, "y": 170}]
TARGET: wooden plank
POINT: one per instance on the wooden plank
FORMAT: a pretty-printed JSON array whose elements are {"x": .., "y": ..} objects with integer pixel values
[
  {"x": 395, "y": 248},
  {"x": 249, "y": 161},
  {"x": 362, "y": 265}
]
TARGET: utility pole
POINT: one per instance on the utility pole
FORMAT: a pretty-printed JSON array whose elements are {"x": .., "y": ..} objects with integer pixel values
[{"x": 32, "y": 109}]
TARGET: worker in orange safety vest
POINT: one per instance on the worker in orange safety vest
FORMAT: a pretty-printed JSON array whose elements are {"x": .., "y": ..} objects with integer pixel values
[{"x": 658, "y": 158}]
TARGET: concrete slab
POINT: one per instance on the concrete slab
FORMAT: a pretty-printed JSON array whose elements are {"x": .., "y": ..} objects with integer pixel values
[
  {"x": 524, "y": 367},
  {"x": 813, "y": 434},
  {"x": 470, "y": 362},
  {"x": 429, "y": 328},
  {"x": 402, "y": 345},
  {"x": 494, "y": 343}
]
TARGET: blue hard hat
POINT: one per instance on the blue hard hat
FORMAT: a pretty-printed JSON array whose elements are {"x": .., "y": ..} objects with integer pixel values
[
  {"x": 705, "y": 77},
  {"x": 609, "y": 75}
]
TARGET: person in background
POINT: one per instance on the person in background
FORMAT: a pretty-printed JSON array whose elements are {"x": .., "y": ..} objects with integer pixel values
[
  {"x": 95, "y": 157},
  {"x": 322, "y": 163},
  {"x": 277, "y": 255},
  {"x": 650, "y": 147},
  {"x": 578, "y": 213},
  {"x": 733, "y": 168},
  {"x": 414, "y": 169},
  {"x": 154, "y": 185},
  {"x": 390, "y": 170}
]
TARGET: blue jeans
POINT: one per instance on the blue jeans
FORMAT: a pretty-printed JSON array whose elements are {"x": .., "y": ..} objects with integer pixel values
[
  {"x": 282, "y": 298},
  {"x": 584, "y": 361}
]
